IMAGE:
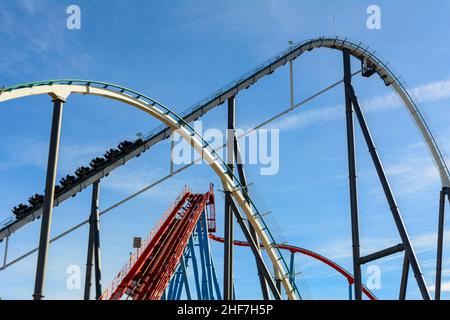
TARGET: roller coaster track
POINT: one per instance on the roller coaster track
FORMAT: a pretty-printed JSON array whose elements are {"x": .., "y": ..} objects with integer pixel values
[
  {"x": 309, "y": 253},
  {"x": 150, "y": 261},
  {"x": 10, "y": 225},
  {"x": 61, "y": 89},
  {"x": 148, "y": 272}
]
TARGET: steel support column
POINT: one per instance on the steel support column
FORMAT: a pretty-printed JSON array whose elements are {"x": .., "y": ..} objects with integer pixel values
[
  {"x": 47, "y": 209},
  {"x": 292, "y": 268},
  {"x": 404, "y": 281},
  {"x": 352, "y": 177},
  {"x": 207, "y": 251},
  {"x": 195, "y": 267},
  {"x": 228, "y": 223},
  {"x": 93, "y": 247},
  {"x": 389, "y": 196},
  {"x": 89, "y": 259},
  {"x": 172, "y": 286},
  {"x": 255, "y": 249},
  {"x": 205, "y": 285},
  {"x": 185, "y": 278},
  {"x": 5, "y": 257},
  {"x": 291, "y": 83},
  {"x": 277, "y": 278},
  {"x": 96, "y": 232},
  {"x": 172, "y": 146},
  {"x": 440, "y": 243}
]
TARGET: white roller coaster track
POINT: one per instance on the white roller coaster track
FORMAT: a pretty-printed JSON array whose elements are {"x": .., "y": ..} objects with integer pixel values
[{"x": 63, "y": 88}]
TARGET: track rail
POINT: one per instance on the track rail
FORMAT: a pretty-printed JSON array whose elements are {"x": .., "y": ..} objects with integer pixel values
[
  {"x": 10, "y": 225},
  {"x": 198, "y": 143},
  {"x": 61, "y": 89},
  {"x": 121, "y": 281},
  {"x": 146, "y": 275},
  {"x": 308, "y": 253}
]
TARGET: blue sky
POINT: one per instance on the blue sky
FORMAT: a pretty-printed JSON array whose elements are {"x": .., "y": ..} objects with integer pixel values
[{"x": 181, "y": 51}]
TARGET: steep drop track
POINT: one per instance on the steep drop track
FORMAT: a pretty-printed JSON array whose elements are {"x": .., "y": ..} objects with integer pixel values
[{"x": 147, "y": 274}]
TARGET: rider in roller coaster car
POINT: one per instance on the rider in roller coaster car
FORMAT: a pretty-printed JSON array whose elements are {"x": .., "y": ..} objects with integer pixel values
[{"x": 81, "y": 173}]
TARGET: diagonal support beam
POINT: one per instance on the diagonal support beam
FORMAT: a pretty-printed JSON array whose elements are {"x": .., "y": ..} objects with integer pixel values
[
  {"x": 254, "y": 248},
  {"x": 207, "y": 252},
  {"x": 203, "y": 264},
  {"x": 440, "y": 242},
  {"x": 389, "y": 196},
  {"x": 404, "y": 281},
  {"x": 185, "y": 278},
  {"x": 195, "y": 267},
  {"x": 243, "y": 181}
]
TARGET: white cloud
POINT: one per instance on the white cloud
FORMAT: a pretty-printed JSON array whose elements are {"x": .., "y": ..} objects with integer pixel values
[
  {"x": 342, "y": 248},
  {"x": 27, "y": 53},
  {"x": 433, "y": 91},
  {"x": 72, "y": 155},
  {"x": 309, "y": 117},
  {"x": 445, "y": 287},
  {"x": 428, "y": 241},
  {"x": 430, "y": 92},
  {"x": 411, "y": 169},
  {"x": 28, "y": 5},
  {"x": 128, "y": 180},
  {"x": 13, "y": 152}
]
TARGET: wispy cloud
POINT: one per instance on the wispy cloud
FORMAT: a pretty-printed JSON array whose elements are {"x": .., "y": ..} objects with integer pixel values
[
  {"x": 309, "y": 117},
  {"x": 339, "y": 249},
  {"x": 429, "y": 92},
  {"x": 72, "y": 155},
  {"x": 28, "y": 5},
  {"x": 27, "y": 54},
  {"x": 12, "y": 152},
  {"x": 445, "y": 287},
  {"x": 411, "y": 169},
  {"x": 427, "y": 242},
  {"x": 128, "y": 180}
]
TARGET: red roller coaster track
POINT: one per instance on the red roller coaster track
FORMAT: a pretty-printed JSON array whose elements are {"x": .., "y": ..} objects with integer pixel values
[
  {"x": 148, "y": 272},
  {"x": 308, "y": 253}
]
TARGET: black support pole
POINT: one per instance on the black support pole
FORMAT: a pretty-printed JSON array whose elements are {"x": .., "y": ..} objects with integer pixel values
[
  {"x": 352, "y": 178},
  {"x": 93, "y": 252},
  {"x": 405, "y": 275},
  {"x": 228, "y": 234},
  {"x": 440, "y": 244},
  {"x": 255, "y": 249},
  {"x": 96, "y": 233},
  {"x": 47, "y": 209},
  {"x": 89, "y": 259},
  {"x": 389, "y": 196},
  {"x": 277, "y": 279}
]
